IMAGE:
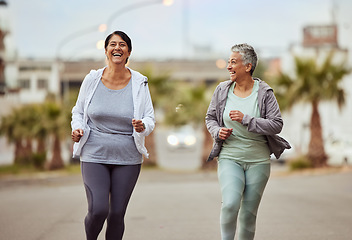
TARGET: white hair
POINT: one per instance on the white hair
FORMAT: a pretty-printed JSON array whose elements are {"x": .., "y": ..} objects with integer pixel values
[{"x": 248, "y": 54}]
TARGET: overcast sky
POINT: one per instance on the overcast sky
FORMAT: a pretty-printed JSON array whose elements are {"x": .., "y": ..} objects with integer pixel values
[{"x": 39, "y": 27}]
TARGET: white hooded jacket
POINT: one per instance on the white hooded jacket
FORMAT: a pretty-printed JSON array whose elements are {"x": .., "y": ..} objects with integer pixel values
[{"x": 142, "y": 104}]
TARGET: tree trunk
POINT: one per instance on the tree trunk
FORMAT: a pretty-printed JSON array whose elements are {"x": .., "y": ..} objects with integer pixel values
[
  {"x": 41, "y": 146},
  {"x": 23, "y": 151},
  {"x": 316, "y": 152},
  {"x": 56, "y": 161},
  {"x": 39, "y": 158},
  {"x": 150, "y": 145},
  {"x": 207, "y": 146},
  {"x": 28, "y": 151},
  {"x": 19, "y": 152}
]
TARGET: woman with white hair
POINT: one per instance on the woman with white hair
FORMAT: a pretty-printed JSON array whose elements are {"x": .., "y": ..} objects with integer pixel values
[{"x": 244, "y": 119}]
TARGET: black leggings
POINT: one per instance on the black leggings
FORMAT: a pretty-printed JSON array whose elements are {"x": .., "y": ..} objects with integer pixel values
[{"x": 108, "y": 188}]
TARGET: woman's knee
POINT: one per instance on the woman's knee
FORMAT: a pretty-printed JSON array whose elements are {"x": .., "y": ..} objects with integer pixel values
[
  {"x": 99, "y": 213},
  {"x": 231, "y": 206}
]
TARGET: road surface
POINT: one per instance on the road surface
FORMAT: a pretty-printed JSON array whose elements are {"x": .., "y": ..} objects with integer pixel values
[{"x": 170, "y": 205}]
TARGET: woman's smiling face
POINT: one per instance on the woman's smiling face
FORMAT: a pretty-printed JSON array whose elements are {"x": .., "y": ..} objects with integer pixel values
[
  {"x": 117, "y": 50},
  {"x": 236, "y": 67}
]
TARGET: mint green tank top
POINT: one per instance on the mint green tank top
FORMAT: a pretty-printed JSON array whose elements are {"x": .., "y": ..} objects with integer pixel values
[{"x": 242, "y": 145}]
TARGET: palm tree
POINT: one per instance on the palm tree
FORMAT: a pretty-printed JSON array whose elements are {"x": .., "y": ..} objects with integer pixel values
[
  {"x": 33, "y": 129},
  {"x": 189, "y": 106},
  {"x": 37, "y": 122},
  {"x": 313, "y": 83},
  {"x": 20, "y": 128},
  {"x": 22, "y": 120},
  {"x": 41, "y": 134},
  {"x": 56, "y": 122},
  {"x": 8, "y": 127},
  {"x": 160, "y": 89}
]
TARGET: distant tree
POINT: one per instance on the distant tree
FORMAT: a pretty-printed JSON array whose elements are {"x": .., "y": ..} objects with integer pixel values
[
  {"x": 189, "y": 106},
  {"x": 8, "y": 128},
  {"x": 260, "y": 70},
  {"x": 37, "y": 132},
  {"x": 37, "y": 123},
  {"x": 57, "y": 122},
  {"x": 21, "y": 127},
  {"x": 313, "y": 83},
  {"x": 160, "y": 88}
]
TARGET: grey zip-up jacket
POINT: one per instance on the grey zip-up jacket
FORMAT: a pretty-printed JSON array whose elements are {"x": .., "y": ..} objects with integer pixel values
[{"x": 269, "y": 124}]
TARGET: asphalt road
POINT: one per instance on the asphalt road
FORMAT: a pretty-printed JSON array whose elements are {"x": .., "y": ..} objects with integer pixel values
[{"x": 180, "y": 206}]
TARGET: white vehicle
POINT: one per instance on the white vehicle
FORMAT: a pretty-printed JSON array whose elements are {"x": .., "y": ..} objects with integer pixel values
[{"x": 183, "y": 137}]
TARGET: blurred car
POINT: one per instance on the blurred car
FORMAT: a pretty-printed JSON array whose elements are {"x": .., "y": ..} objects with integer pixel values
[
  {"x": 339, "y": 152},
  {"x": 183, "y": 137}
]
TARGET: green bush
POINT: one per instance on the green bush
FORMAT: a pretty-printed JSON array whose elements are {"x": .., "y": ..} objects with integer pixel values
[
  {"x": 17, "y": 169},
  {"x": 38, "y": 160},
  {"x": 300, "y": 163}
]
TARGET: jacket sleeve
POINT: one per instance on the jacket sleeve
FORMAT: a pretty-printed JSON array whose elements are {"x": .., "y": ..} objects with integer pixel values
[
  {"x": 211, "y": 118},
  {"x": 269, "y": 124},
  {"x": 148, "y": 114},
  {"x": 78, "y": 109}
]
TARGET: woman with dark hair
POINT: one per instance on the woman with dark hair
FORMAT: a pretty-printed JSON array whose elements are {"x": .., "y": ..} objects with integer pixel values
[
  {"x": 110, "y": 120},
  {"x": 244, "y": 119}
]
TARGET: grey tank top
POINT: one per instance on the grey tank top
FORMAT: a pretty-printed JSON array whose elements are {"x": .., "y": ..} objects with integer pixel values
[{"x": 110, "y": 141}]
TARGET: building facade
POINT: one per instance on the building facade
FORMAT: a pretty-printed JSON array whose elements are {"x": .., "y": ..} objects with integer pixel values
[{"x": 34, "y": 79}]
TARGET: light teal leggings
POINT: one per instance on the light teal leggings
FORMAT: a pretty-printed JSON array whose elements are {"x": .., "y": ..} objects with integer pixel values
[{"x": 242, "y": 187}]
